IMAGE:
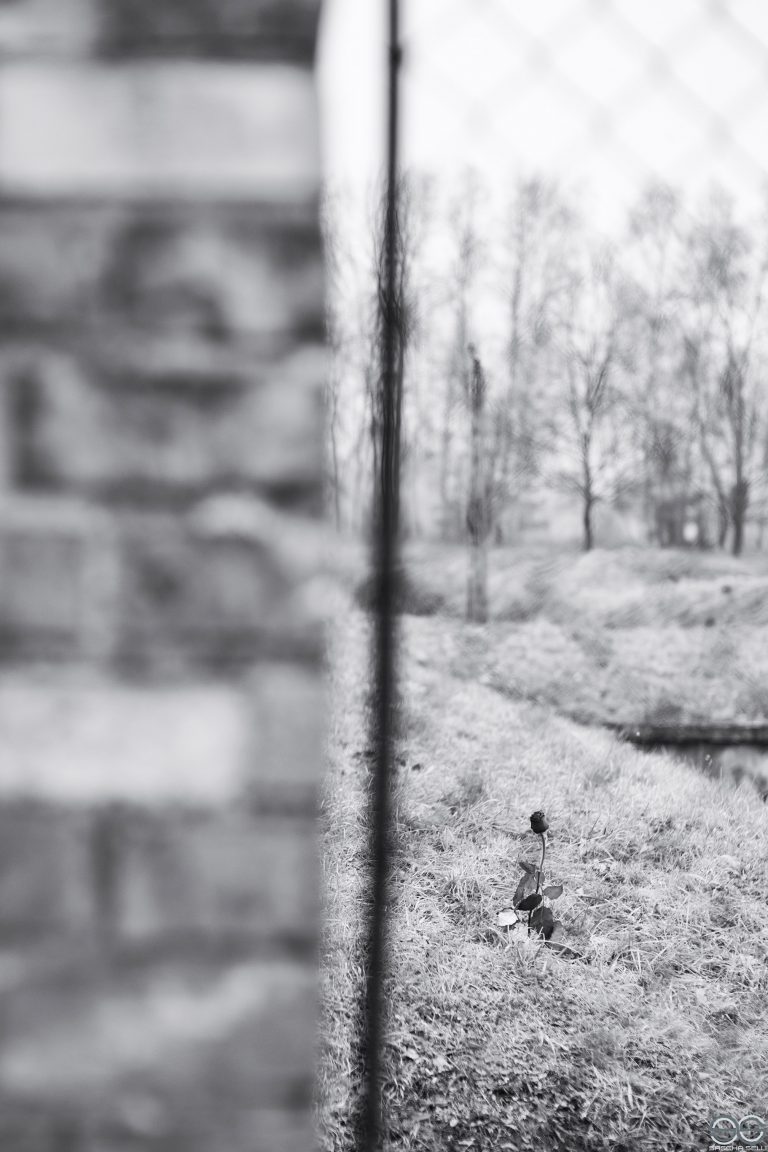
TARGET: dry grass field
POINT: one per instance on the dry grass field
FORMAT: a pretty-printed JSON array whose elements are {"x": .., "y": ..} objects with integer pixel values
[{"x": 659, "y": 1017}]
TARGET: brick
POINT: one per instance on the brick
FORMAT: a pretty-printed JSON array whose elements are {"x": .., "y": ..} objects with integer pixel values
[
  {"x": 79, "y": 739},
  {"x": 222, "y": 29},
  {"x": 52, "y": 258},
  {"x": 239, "y": 587},
  {"x": 287, "y": 412},
  {"x": 151, "y": 288},
  {"x": 216, "y": 877},
  {"x": 153, "y": 590},
  {"x": 249, "y": 594},
  {"x": 56, "y": 580},
  {"x": 216, "y": 589},
  {"x": 154, "y": 593},
  {"x": 197, "y": 424},
  {"x": 46, "y": 406},
  {"x": 195, "y": 1037},
  {"x": 230, "y": 271},
  {"x": 47, "y": 27},
  {"x": 132, "y": 877},
  {"x": 138, "y": 1122},
  {"x": 45, "y": 873},
  {"x": 197, "y": 128},
  {"x": 185, "y": 602},
  {"x": 251, "y": 29},
  {"x": 286, "y": 736}
]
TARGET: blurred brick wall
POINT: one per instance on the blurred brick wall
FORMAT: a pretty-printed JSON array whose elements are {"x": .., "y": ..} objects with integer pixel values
[{"x": 161, "y": 363}]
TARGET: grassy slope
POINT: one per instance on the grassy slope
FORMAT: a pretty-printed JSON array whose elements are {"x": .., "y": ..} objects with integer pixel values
[
  {"x": 617, "y": 636},
  {"x": 632, "y": 1047}
]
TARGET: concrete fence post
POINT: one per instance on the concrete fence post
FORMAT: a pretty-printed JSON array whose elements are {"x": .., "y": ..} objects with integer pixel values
[{"x": 161, "y": 369}]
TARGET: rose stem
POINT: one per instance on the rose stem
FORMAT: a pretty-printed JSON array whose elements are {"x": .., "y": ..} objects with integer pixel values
[{"x": 538, "y": 874}]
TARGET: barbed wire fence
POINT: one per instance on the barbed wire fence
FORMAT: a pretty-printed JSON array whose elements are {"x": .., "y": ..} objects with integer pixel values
[
  {"x": 685, "y": 68},
  {"x": 507, "y": 91}
]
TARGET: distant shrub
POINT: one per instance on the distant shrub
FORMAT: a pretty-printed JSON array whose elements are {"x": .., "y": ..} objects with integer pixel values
[
  {"x": 616, "y": 529},
  {"x": 519, "y": 610},
  {"x": 533, "y": 599},
  {"x": 752, "y": 700},
  {"x": 724, "y": 650},
  {"x": 595, "y": 645},
  {"x": 663, "y": 711}
]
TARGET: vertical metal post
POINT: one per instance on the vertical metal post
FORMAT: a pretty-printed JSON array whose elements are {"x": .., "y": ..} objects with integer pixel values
[{"x": 385, "y": 556}]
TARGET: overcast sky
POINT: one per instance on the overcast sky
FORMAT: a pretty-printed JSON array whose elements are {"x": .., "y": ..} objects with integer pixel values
[{"x": 604, "y": 93}]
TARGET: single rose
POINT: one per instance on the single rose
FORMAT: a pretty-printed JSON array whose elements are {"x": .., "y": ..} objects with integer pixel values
[{"x": 539, "y": 823}]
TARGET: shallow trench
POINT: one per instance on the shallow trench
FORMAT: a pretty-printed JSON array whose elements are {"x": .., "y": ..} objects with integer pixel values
[{"x": 722, "y": 755}]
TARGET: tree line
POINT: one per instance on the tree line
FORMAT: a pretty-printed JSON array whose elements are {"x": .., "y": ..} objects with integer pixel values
[{"x": 536, "y": 352}]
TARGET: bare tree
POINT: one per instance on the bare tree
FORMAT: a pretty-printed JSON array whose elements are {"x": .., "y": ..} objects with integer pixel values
[
  {"x": 635, "y": 372},
  {"x": 461, "y": 280},
  {"x": 352, "y": 333},
  {"x": 467, "y": 378},
  {"x": 591, "y": 461},
  {"x": 724, "y": 354},
  {"x": 662, "y": 423},
  {"x": 482, "y": 479},
  {"x": 536, "y": 279}
]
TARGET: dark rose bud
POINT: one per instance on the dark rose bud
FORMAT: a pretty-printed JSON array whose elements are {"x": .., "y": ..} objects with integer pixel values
[{"x": 539, "y": 823}]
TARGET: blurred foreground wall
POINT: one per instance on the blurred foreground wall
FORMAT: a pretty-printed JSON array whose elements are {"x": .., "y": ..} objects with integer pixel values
[{"x": 161, "y": 361}]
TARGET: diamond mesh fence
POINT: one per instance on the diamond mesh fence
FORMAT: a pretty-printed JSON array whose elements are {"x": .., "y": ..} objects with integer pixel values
[{"x": 581, "y": 180}]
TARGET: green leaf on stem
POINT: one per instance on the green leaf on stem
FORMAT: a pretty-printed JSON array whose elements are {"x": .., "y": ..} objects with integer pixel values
[
  {"x": 530, "y": 902},
  {"x": 526, "y": 885},
  {"x": 543, "y": 922}
]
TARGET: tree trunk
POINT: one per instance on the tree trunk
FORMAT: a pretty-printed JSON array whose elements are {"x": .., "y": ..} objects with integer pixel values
[
  {"x": 723, "y": 520},
  {"x": 737, "y": 543},
  {"x": 589, "y": 539},
  {"x": 477, "y": 588},
  {"x": 739, "y": 505},
  {"x": 477, "y": 592},
  {"x": 357, "y": 511},
  {"x": 588, "y": 492},
  {"x": 447, "y": 526}
]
